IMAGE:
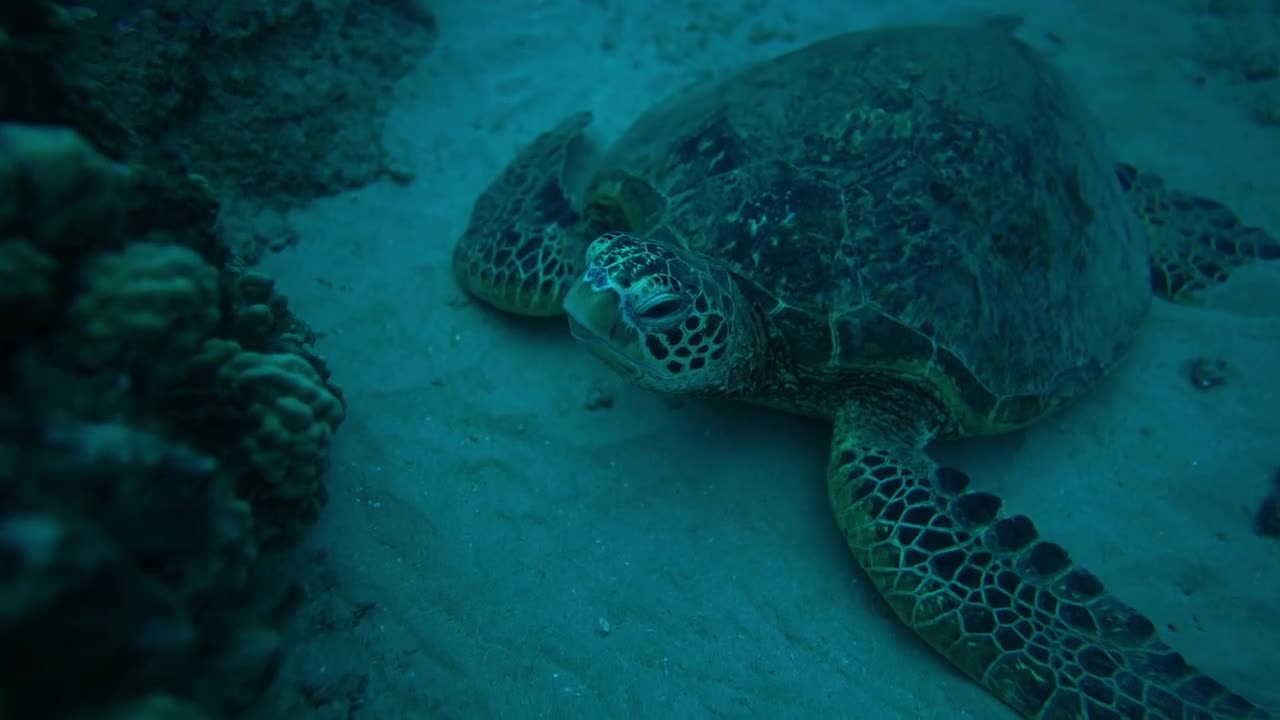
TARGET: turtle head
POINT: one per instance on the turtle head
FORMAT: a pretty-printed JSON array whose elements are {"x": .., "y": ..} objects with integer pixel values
[{"x": 668, "y": 319}]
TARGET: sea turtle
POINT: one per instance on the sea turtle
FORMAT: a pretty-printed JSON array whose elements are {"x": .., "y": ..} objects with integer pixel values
[{"x": 915, "y": 233}]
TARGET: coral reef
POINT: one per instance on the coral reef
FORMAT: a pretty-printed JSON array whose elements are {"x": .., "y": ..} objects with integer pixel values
[
  {"x": 192, "y": 78},
  {"x": 284, "y": 415},
  {"x": 165, "y": 424},
  {"x": 271, "y": 103},
  {"x": 146, "y": 304}
]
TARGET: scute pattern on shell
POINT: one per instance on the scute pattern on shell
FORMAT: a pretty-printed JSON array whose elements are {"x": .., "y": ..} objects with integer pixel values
[{"x": 904, "y": 200}]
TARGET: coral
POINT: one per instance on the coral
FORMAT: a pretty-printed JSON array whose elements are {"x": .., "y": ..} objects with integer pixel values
[
  {"x": 164, "y": 420},
  {"x": 55, "y": 188},
  {"x": 288, "y": 414},
  {"x": 189, "y": 75},
  {"x": 261, "y": 320},
  {"x": 156, "y": 706},
  {"x": 27, "y": 293},
  {"x": 148, "y": 302},
  {"x": 121, "y": 549},
  {"x": 295, "y": 415},
  {"x": 135, "y": 534},
  {"x": 269, "y": 104}
]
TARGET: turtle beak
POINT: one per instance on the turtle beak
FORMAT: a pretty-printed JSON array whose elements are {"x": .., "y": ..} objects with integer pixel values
[
  {"x": 592, "y": 312},
  {"x": 595, "y": 318}
]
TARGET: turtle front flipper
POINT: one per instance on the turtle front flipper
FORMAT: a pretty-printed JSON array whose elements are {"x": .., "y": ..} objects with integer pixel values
[
  {"x": 1008, "y": 608},
  {"x": 1195, "y": 242},
  {"x": 520, "y": 251}
]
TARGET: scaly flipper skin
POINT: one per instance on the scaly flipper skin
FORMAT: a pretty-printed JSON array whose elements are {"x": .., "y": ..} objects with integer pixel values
[
  {"x": 1196, "y": 242},
  {"x": 519, "y": 252},
  {"x": 1007, "y": 608}
]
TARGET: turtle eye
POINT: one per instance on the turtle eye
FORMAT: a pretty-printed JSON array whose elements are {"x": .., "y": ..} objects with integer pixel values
[{"x": 662, "y": 310}]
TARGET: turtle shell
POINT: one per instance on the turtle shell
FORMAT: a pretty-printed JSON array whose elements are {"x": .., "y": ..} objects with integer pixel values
[{"x": 934, "y": 203}]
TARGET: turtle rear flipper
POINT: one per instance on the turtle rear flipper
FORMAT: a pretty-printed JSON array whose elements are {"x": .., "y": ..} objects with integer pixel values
[
  {"x": 1010, "y": 609},
  {"x": 1196, "y": 242},
  {"x": 520, "y": 251}
]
